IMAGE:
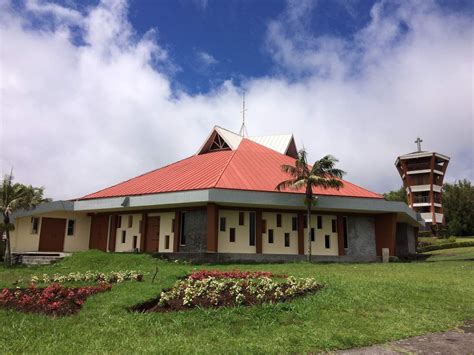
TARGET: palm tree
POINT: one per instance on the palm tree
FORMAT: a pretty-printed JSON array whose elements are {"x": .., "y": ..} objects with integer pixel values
[
  {"x": 323, "y": 174},
  {"x": 13, "y": 197}
]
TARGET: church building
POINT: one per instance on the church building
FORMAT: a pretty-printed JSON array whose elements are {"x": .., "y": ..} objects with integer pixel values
[{"x": 220, "y": 204}]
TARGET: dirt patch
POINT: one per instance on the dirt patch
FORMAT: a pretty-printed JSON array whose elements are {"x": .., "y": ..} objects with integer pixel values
[{"x": 458, "y": 341}]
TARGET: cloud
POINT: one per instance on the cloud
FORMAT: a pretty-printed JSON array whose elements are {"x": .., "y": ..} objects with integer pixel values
[
  {"x": 206, "y": 59},
  {"x": 201, "y": 4},
  {"x": 80, "y": 115}
]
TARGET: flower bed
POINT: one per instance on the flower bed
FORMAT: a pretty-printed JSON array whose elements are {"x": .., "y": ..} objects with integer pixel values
[
  {"x": 199, "y": 290},
  {"x": 54, "y": 300},
  {"x": 234, "y": 274},
  {"x": 88, "y": 276}
]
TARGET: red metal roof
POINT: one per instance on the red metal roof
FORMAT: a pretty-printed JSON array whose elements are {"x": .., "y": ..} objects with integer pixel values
[{"x": 251, "y": 166}]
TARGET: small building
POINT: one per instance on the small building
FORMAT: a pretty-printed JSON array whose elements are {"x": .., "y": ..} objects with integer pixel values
[
  {"x": 220, "y": 204},
  {"x": 423, "y": 173}
]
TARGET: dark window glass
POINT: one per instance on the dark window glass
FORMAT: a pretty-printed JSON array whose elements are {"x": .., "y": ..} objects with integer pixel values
[
  {"x": 70, "y": 226},
  {"x": 130, "y": 221},
  {"x": 222, "y": 224},
  {"x": 167, "y": 241},
  {"x": 134, "y": 246},
  {"x": 344, "y": 222},
  {"x": 334, "y": 227},
  {"x": 305, "y": 221},
  {"x": 232, "y": 235},
  {"x": 119, "y": 221},
  {"x": 270, "y": 236},
  {"x": 287, "y": 239},
  {"x": 182, "y": 227},
  {"x": 173, "y": 226},
  {"x": 252, "y": 228},
  {"x": 34, "y": 225},
  {"x": 313, "y": 235},
  {"x": 327, "y": 241},
  {"x": 278, "y": 220},
  {"x": 124, "y": 236},
  {"x": 264, "y": 226},
  {"x": 241, "y": 218},
  {"x": 320, "y": 222},
  {"x": 294, "y": 224}
]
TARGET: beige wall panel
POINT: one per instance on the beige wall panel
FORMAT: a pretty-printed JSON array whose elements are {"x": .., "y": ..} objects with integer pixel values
[
  {"x": 241, "y": 244},
  {"x": 318, "y": 246},
  {"x": 129, "y": 233},
  {"x": 278, "y": 245}
]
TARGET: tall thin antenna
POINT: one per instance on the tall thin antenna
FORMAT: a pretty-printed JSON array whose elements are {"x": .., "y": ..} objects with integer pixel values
[{"x": 243, "y": 129}]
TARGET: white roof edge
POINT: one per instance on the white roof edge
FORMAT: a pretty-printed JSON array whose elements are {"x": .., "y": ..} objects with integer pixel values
[{"x": 277, "y": 142}]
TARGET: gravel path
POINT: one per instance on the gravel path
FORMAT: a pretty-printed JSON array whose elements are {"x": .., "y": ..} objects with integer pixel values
[{"x": 458, "y": 341}]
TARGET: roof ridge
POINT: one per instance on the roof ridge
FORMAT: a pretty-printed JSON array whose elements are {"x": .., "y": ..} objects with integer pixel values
[{"x": 225, "y": 166}]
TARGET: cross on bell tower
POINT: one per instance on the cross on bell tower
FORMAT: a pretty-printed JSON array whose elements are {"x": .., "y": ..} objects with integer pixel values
[
  {"x": 418, "y": 143},
  {"x": 243, "y": 129}
]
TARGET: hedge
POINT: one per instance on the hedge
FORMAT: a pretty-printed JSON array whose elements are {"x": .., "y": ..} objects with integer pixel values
[{"x": 445, "y": 246}]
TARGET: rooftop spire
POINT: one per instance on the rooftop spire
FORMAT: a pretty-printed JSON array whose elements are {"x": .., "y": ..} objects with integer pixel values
[
  {"x": 243, "y": 129},
  {"x": 418, "y": 143}
]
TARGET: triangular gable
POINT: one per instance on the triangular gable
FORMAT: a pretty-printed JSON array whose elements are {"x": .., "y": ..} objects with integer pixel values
[
  {"x": 220, "y": 139},
  {"x": 291, "y": 150}
]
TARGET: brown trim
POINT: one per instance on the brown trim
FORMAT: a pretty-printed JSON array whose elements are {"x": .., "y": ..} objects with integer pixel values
[
  {"x": 113, "y": 232},
  {"x": 301, "y": 219},
  {"x": 212, "y": 221},
  {"x": 385, "y": 229},
  {"x": 177, "y": 230},
  {"x": 143, "y": 231},
  {"x": 340, "y": 234},
  {"x": 258, "y": 232}
]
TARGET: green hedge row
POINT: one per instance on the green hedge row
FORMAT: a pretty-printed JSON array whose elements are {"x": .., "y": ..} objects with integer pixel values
[{"x": 445, "y": 246}]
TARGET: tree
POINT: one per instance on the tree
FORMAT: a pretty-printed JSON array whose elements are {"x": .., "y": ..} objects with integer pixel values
[
  {"x": 397, "y": 195},
  {"x": 323, "y": 174},
  {"x": 458, "y": 207},
  {"x": 13, "y": 197}
]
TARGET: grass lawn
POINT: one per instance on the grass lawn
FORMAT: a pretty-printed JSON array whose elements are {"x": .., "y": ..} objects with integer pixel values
[
  {"x": 362, "y": 304},
  {"x": 437, "y": 241},
  {"x": 451, "y": 254}
]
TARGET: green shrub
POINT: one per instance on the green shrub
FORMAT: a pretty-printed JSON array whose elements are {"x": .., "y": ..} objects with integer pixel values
[
  {"x": 444, "y": 246},
  {"x": 451, "y": 240}
]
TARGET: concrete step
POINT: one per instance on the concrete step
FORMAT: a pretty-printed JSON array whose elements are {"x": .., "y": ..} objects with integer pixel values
[{"x": 39, "y": 260}]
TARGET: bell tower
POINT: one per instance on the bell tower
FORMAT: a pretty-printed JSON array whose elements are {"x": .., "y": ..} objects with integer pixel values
[{"x": 422, "y": 173}]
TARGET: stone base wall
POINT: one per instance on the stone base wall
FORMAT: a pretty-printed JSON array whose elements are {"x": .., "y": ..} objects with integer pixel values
[
  {"x": 406, "y": 241},
  {"x": 361, "y": 237},
  {"x": 195, "y": 227},
  {"x": 205, "y": 257}
]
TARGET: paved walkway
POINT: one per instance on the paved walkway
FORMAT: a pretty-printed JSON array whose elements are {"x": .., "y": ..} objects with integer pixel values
[{"x": 458, "y": 341}]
